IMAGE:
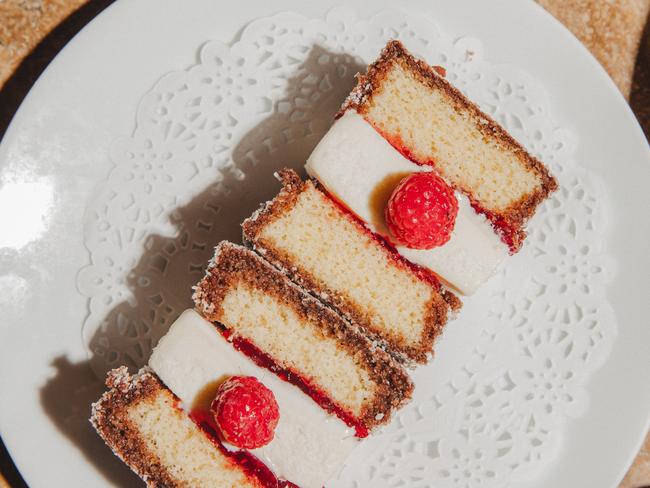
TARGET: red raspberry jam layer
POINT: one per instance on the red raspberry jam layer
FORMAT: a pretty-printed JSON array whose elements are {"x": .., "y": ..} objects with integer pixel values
[
  {"x": 263, "y": 360},
  {"x": 510, "y": 235},
  {"x": 253, "y": 467},
  {"x": 421, "y": 272}
]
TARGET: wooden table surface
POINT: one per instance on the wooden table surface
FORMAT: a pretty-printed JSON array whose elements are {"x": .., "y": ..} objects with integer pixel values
[{"x": 33, "y": 31}]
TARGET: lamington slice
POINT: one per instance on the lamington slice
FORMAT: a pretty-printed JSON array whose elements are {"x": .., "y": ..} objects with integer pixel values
[
  {"x": 432, "y": 123},
  {"x": 309, "y": 445},
  {"x": 329, "y": 252},
  {"x": 140, "y": 420},
  {"x": 283, "y": 328},
  {"x": 360, "y": 169}
]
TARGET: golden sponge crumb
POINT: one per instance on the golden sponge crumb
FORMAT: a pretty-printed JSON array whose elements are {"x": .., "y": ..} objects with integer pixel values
[
  {"x": 391, "y": 298},
  {"x": 297, "y": 344},
  {"x": 180, "y": 445},
  {"x": 434, "y": 129}
]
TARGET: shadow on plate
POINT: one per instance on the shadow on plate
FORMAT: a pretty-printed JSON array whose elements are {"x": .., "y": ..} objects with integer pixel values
[
  {"x": 66, "y": 398},
  {"x": 161, "y": 282}
]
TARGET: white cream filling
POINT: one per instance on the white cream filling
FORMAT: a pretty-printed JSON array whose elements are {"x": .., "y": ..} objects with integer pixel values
[
  {"x": 360, "y": 168},
  {"x": 309, "y": 445}
]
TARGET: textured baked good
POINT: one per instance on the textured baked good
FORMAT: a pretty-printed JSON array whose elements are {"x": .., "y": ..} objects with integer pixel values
[
  {"x": 355, "y": 303},
  {"x": 328, "y": 251},
  {"x": 287, "y": 330},
  {"x": 141, "y": 421},
  {"x": 360, "y": 169},
  {"x": 309, "y": 445},
  {"x": 422, "y": 115}
]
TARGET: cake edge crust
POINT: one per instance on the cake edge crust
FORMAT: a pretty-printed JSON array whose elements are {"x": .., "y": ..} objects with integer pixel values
[
  {"x": 111, "y": 423},
  {"x": 517, "y": 213},
  {"x": 393, "y": 385},
  {"x": 443, "y": 301}
]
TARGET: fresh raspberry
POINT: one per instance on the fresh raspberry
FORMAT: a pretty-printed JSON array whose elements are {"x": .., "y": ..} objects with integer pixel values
[
  {"x": 246, "y": 412},
  {"x": 421, "y": 211}
]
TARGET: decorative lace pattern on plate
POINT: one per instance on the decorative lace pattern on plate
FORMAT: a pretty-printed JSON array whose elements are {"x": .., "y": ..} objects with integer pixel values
[{"x": 508, "y": 372}]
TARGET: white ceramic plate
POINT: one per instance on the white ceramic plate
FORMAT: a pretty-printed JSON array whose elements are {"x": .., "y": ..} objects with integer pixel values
[{"x": 55, "y": 157}]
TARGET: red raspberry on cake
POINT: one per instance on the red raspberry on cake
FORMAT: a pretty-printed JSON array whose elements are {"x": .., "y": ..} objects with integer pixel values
[
  {"x": 245, "y": 412},
  {"x": 421, "y": 211}
]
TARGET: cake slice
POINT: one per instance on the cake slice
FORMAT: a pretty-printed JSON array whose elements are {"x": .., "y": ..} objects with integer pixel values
[
  {"x": 309, "y": 445},
  {"x": 430, "y": 122},
  {"x": 332, "y": 254},
  {"x": 283, "y": 328},
  {"x": 141, "y": 421},
  {"x": 360, "y": 169}
]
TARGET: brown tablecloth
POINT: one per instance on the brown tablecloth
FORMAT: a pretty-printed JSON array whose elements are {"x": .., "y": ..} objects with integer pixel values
[{"x": 33, "y": 31}]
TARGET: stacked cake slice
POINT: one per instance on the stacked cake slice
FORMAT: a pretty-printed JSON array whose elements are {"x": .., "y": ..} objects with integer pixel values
[
  {"x": 283, "y": 328},
  {"x": 142, "y": 421},
  {"x": 194, "y": 358},
  {"x": 329, "y": 251},
  {"x": 171, "y": 439},
  {"x": 403, "y": 117},
  {"x": 298, "y": 345},
  {"x": 432, "y": 123}
]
